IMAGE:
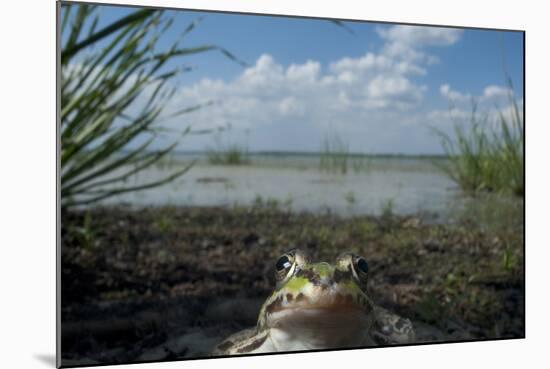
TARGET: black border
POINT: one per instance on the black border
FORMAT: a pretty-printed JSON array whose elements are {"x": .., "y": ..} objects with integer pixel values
[
  {"x": 58, "y": 4},
  {"x": 58, "y": 184}
]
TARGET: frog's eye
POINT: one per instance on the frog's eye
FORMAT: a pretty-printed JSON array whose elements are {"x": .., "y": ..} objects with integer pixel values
[
  {"x": 284, "y": 265},
  {"x": 360, "y": 267}
]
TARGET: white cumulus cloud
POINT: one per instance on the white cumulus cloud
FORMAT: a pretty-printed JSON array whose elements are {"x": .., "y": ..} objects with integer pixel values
[
  {"x": 302, "y": 100},
  {"x": 491, "y": 104},
  {"x": 493, "y": 91},
  {"x": 406, "y": 42},
  {"x": 452, "y": 95}
]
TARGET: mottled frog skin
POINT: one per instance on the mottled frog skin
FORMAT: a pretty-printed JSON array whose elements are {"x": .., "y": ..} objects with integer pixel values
[{"x": 319, "y": 306}]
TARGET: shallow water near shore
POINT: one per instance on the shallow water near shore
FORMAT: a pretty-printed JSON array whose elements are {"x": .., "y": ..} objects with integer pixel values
[{"x": 401, "y": 185}]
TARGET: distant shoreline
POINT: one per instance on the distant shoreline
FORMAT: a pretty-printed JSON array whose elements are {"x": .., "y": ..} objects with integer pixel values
[{"x": 316, "y": 154}]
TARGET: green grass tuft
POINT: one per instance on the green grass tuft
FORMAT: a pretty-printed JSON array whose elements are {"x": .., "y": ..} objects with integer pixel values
[
  {"x": 487, "y": 156},
  {"x": 336, "y": 157},
  {"x": 106, "y": 72},
  {"x": 231, "y": 155}
]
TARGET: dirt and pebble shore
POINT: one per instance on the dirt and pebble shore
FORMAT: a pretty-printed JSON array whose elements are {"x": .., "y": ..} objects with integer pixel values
[{"x": 171, "y": 282}]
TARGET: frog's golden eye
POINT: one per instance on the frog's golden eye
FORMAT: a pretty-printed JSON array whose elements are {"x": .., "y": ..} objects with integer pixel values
[{"x": 284, "y": 265}]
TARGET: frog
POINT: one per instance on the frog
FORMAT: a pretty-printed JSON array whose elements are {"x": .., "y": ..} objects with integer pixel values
[{"x": 319, "y": 306}]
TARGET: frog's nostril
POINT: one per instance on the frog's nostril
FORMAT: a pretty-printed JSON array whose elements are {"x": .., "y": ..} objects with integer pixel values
[{"x": 323, "y": 268}]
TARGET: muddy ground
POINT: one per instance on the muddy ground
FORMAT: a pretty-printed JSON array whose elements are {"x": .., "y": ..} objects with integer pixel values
[{"x": 170, "y": 283}]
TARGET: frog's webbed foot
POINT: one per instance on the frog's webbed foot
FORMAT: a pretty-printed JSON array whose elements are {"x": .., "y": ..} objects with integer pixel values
[
  {"x": 231, "y": 345},
  {"x": 391, "y": 329}
]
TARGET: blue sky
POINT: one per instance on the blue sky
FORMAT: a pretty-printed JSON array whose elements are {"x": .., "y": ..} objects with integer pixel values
[{"x": 379, "y": 88}]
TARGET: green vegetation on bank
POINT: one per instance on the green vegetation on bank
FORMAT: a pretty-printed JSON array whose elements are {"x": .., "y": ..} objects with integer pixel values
[
  {"x": 335, "y": 156},
  {"x": 487, "y": 155},
  {"x": 114, "y": 90},
  {"x": 233, "y": 154}
]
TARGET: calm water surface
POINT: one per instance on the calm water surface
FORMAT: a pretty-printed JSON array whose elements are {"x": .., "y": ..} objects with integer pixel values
[{"x": 406, "y": 185}]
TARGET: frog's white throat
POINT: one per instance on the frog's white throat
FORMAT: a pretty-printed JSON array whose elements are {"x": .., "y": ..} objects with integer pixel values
[{"x": 319, "y": 328}]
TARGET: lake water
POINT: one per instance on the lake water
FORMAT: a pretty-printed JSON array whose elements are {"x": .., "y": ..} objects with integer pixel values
[{"x": 407, "y": 185}]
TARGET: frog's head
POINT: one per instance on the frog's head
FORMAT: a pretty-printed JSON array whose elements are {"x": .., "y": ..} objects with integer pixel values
[{"x": 318, "y": 298}]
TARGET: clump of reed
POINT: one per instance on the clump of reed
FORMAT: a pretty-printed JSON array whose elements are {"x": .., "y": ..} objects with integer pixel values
[
  {"x": 335, "y": 156},
  {"x": 487, "y": 155},
  {"x": 232, "y": 154},
  {"x": 115, "y": 86}
]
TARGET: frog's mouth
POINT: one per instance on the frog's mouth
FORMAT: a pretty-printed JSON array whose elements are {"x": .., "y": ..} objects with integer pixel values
[
  {"x": 324, "y": 310},
  {"x": 319, "y": 327},
  {"x": 322, "y": 298}
]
